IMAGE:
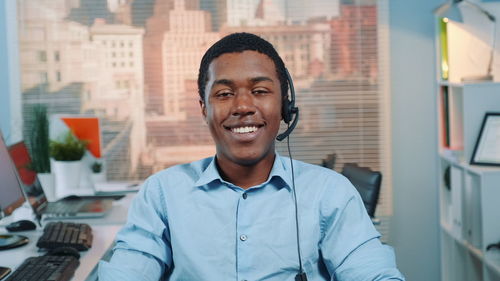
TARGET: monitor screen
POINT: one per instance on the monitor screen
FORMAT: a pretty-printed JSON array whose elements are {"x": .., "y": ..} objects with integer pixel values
[
  {"x": 29, "y": 181},
  {"x": 11, "y": 194}
]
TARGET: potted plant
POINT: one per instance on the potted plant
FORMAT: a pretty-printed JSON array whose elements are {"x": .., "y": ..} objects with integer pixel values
[
  {"x": 38, "y": 143},
  {"x": 98, "y": 174},
  {"x": 67, "y": 153}
]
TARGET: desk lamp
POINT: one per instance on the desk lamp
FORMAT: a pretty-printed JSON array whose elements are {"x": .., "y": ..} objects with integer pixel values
[{"x": 450, "y": 11}]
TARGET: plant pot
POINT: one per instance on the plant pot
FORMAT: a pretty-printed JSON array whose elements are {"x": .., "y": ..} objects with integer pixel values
[
  {"x": 98, "y": 177},
  {"x": 67, "y": 177},
  {"x": 47, "y": 182}
]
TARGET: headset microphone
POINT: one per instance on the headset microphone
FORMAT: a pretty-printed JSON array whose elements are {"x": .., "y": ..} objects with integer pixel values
[{"x": 288, "y": 110}]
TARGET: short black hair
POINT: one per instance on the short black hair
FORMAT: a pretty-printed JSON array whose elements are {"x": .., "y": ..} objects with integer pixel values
[{"x": 237, "y": 43}]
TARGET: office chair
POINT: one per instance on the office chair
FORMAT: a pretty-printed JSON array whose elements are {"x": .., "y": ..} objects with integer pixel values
[
  {"x": 329, "y": 161},
  {"x": 367, "y": 182}
]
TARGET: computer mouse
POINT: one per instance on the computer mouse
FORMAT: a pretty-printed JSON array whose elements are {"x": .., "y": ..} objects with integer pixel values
[
  {"x": 64, "y": 251},
  {"x": 22, "y": 225},
  {"x": 72, "y": 197}
]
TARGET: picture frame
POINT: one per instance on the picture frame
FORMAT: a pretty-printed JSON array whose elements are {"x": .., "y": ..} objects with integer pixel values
[{"x": 487, "y": 148}]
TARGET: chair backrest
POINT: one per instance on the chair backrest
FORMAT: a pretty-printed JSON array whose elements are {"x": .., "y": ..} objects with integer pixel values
[
  {"x": 329, "y": 161},
  {"x": 367, "y": 182}
]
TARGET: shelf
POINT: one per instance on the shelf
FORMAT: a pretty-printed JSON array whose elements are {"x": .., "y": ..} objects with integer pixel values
[
  {"x": 492, "y": 261},
  {"x": 468, "y": 194},
  {"x": 473, "y": 250},
  {"x": 468, "y": 83},
  {"x": 476, "y": 169}
]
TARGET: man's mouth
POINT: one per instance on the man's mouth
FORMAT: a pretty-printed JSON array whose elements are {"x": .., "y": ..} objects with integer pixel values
[{"x": 244, "y": 130}]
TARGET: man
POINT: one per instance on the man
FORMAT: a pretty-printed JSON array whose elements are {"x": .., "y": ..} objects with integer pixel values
[{"x": 232, "y": 216}]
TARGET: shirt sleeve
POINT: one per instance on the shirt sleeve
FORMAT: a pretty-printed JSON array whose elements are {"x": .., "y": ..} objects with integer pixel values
[
  {"x": 350, "y": 245},
  {"x": 143, "y": 244}
]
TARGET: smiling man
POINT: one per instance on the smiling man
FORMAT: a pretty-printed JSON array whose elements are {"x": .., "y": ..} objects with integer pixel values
[{"x": 232, "y": 216}]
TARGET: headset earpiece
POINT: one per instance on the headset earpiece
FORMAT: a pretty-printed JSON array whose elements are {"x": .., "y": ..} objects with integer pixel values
[
  {"x": 285, "y": 111},
  {"x": 288, "y": 110}
]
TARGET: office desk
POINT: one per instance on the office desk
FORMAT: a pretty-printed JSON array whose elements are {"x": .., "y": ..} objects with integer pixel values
[
  {"x": 104, "y": 231},
  {"x": 116, "y": 216}
]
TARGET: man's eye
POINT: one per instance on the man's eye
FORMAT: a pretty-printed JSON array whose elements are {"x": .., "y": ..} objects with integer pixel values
[
  {"x": 260, "y": 91},
  {"x": 223, "y": 94}
]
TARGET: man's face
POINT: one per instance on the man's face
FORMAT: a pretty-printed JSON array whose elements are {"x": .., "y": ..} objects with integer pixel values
[{"x": 243, "y": 106}]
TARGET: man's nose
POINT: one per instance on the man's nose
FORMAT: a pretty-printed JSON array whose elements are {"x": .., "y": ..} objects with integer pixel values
[{"x": 244, "y": 103}]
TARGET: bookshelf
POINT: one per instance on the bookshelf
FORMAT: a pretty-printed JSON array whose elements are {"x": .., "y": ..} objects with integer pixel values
[{"x": 469, "y": 195}]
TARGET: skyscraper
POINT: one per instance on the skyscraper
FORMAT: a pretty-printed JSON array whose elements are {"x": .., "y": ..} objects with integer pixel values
[
  {"x": 184, "y": 44},
  {"x": 123, "y": 85}
]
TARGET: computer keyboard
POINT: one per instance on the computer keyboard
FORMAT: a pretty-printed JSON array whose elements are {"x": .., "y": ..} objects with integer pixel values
[
  {"x": 46, "y": 268},
  {"x": 66, "y": 234}
]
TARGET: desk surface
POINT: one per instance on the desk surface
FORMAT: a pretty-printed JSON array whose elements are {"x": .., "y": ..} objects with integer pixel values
[
  {"x": 117, "y": 215},
  {"x": 102, "y": 242},
  {"x": 104, "y": 231}
]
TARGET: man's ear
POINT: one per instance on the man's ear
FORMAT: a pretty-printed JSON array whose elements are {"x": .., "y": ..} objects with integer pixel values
[{"x": 203, "y": 109}]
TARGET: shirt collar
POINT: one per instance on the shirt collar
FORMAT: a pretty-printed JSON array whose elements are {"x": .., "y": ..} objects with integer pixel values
[{"x": 280, "y": 170}]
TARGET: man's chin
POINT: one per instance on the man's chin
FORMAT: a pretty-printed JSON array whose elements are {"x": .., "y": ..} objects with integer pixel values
[{"x": 248, "y": 158}]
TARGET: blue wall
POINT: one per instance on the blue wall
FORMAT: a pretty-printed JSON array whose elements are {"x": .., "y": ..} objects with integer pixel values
[{"x": 415, "y": 224}]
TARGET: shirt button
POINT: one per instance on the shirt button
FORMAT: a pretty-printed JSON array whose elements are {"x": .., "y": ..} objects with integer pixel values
[
  {"x": 245, "y": 197},
  {"x": 243, "y": 237}
]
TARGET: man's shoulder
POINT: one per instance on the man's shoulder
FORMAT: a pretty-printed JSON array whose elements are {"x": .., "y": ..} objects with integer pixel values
[
  {"x": 320, "y": 179},
  {"x": 183, "y": 172},
  {"x": 302, "y": 168}
]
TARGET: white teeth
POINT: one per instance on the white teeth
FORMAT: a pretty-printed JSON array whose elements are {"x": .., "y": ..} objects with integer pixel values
[{"x": 243, "y": 130}]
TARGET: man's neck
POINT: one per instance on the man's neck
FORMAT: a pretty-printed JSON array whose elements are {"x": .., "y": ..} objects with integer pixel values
[{"x": 246, "y": 176}]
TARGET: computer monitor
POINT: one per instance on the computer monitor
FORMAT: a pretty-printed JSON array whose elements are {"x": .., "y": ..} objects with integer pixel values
[
  {"x": 29, "y": 181},
  {"x": 11, "y": 194}
]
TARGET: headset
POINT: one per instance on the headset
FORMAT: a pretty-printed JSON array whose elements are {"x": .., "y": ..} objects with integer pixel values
[{"x": 288, "y": 112}]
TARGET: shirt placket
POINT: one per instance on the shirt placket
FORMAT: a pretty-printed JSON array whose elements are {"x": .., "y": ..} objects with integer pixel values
[{"x": 243, "y": 238}]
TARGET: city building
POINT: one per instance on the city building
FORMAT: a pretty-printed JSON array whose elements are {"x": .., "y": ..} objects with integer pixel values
[
  {"x": 184, "y": 44},
  {"x": 304, "y": 48},
  {"x": 120, "y": 93},
  {"x": 156, "y": 26},
  {"x": 354, "y": 42}
]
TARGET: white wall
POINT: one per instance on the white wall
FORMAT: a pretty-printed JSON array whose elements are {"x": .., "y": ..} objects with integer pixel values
[
  {"x": 414, "y": 228},
  {"x": 10, "y": 103}
]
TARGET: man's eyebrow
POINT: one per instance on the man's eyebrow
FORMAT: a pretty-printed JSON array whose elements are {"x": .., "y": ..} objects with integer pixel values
[
  {"x": 261, "y": 79},
  {"x": 225, "y": 82},
  {"x": 231, "y": 83}
]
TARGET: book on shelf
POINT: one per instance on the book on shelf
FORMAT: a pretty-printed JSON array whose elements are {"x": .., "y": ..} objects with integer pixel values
[
  {"x": 456, "y": 201},
  {"x": 472, "y": 210},
  {"x": 445, "y": 120}
]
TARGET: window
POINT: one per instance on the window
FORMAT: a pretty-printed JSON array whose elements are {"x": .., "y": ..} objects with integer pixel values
[
  {"x": 42, "y": 56},
  {"x": 44, "y": 78},
  {"x": 57, "y": 56},
  {"x": 337, "y": 60}
]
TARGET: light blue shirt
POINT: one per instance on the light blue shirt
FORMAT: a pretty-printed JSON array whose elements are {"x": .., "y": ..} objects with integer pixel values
[{"x": 187, "y": 223}]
